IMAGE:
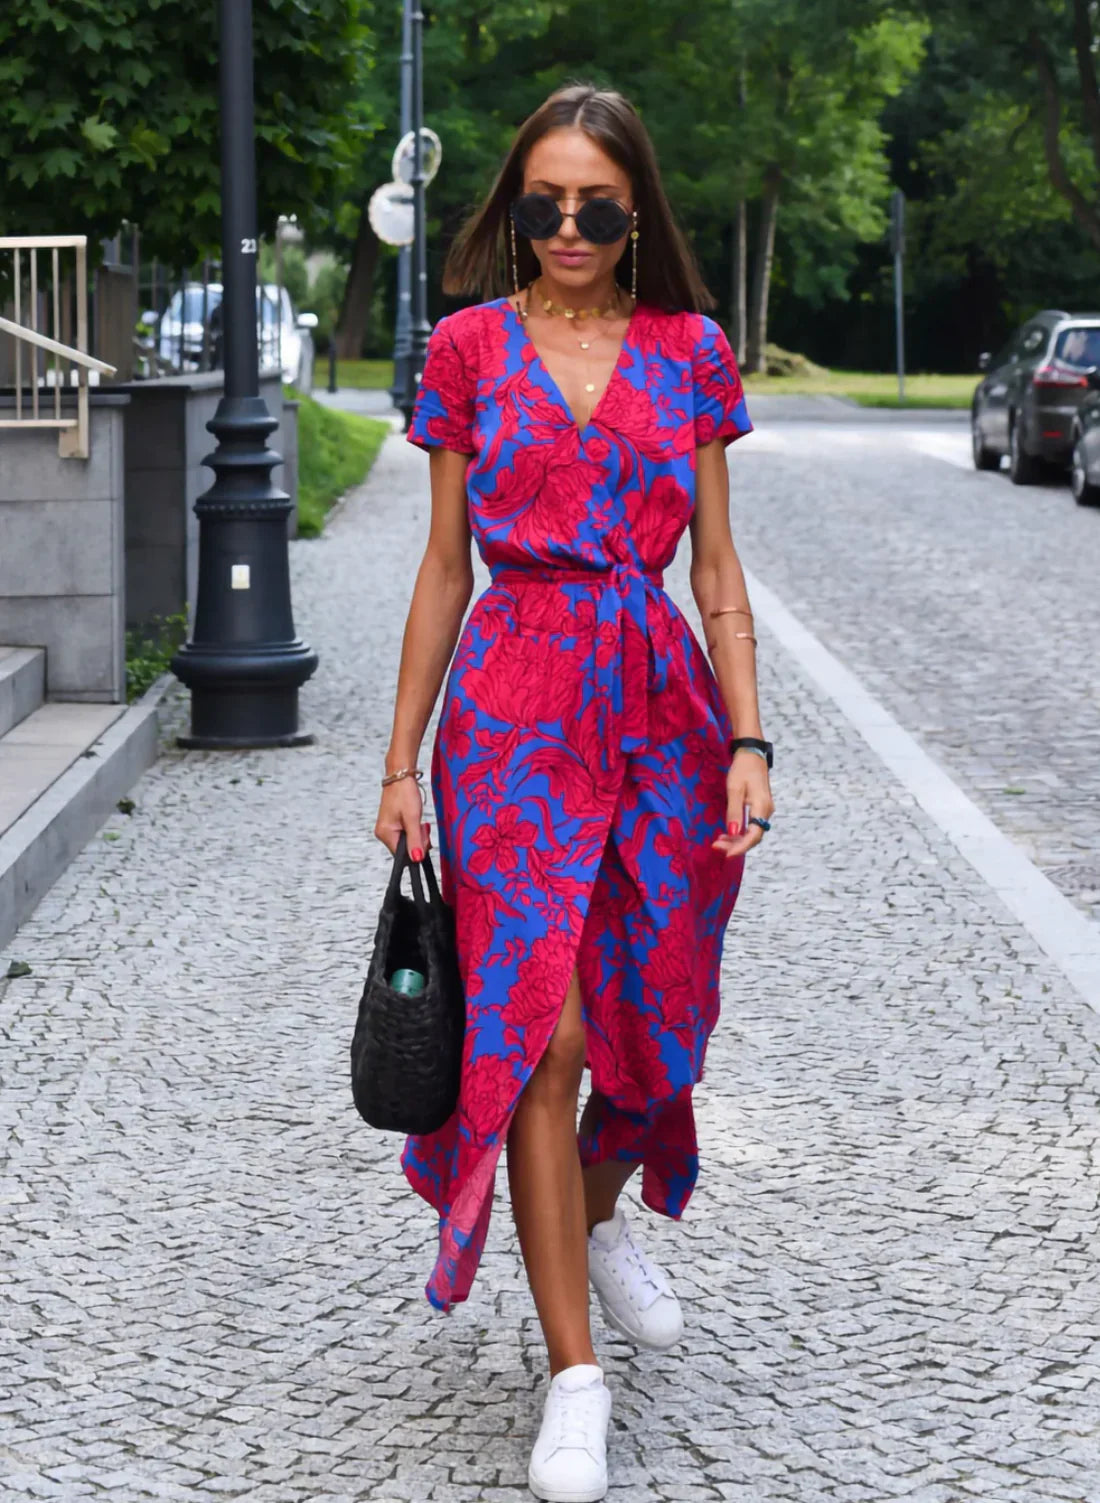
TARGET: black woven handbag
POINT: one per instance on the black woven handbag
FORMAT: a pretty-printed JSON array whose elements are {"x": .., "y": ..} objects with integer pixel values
[{"x": 406, "y": 1051}]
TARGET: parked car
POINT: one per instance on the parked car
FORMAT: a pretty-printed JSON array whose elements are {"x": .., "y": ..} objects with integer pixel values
[
  {"x": 284, "y": 337},
  {"x": 1084, "y": 475},
  {"x": 289, "y": 337},
  {"x": 179, "y": 338},
  {"x": 1026, "y": 404}
]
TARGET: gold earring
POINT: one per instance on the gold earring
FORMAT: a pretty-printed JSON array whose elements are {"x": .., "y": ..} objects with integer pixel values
[
  {"x": 515, "y": 258},
  {"x": 634, "y": 259}
]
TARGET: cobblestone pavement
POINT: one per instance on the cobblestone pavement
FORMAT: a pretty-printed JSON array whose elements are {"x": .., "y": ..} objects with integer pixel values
[
  {"x": 212, "y": 1272},
  {"x": 970, "y": 606}
]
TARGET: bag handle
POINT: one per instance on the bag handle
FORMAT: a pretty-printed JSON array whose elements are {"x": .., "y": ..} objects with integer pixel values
[{"x": 424, "y": 905}]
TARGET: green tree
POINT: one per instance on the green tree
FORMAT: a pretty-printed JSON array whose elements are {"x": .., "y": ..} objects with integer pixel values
[
  {"x": 816, "y": 82},
  {"x": 1034, "y": 100},
  {"x": 109, "y": 113}
]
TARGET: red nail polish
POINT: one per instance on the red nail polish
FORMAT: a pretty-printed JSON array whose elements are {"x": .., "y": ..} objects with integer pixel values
[{"x": 417, "y": 855}]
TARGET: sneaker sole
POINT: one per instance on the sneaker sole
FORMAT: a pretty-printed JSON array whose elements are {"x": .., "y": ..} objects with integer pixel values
[
  {"x": 557, "y": 1495},
  {"x": 623, "y": 1329}
]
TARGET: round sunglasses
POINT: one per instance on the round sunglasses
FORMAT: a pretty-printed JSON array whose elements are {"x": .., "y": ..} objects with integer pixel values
[{"x": 600, "y": 221}]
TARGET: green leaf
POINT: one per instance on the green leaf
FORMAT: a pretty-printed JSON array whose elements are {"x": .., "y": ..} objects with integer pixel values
[
  {"x": 100, "y": 135},
  {"x": 62, "y": 161}
]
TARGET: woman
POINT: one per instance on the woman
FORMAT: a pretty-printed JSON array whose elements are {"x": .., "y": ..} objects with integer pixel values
[{"x": 596, "y": 784}]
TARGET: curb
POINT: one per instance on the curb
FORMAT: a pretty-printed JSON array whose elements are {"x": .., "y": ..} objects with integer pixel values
[{"x": 42, "y": 841}]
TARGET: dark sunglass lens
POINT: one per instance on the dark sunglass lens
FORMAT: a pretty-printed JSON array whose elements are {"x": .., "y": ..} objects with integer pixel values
[
  {"x": 536, "y": 216},
  {"x": 602, "y": 221}
]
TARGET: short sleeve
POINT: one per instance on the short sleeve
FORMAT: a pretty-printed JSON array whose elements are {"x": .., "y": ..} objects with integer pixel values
[
  {"x": 720, "y": 410},
  {"x": 443, "y": 415}
]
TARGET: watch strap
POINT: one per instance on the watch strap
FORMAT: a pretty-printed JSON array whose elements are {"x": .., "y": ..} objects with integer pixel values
[{"x": 752, "y": 743}]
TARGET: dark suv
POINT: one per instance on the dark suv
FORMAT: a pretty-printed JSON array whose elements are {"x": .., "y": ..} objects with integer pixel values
[{"x": 1026, "y": 404}]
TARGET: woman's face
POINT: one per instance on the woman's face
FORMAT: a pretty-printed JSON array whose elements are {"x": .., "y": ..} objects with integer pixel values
[{"x": 569, "y": 167}]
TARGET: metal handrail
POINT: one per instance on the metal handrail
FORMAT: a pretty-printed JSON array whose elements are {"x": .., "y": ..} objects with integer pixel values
[
  {"x": 78, "y": 357},
  {"x": 74, "y": 432}
]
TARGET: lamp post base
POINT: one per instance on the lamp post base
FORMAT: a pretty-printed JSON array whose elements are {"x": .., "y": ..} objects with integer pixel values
[
  {"x": 238, "y": 715},
  {"x": 247, "y": 743}
]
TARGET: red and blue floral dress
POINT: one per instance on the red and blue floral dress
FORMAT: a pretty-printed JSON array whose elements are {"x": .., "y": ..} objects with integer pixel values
[{"x": 579, "y": 771}]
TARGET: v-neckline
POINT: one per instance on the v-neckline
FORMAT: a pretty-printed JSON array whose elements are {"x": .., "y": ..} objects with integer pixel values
[{"x": 555, "y": 389}]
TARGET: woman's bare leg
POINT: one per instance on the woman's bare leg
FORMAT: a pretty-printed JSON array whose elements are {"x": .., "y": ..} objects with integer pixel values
[
  {"x": 603, "y": 1183},
  {"x": 544, "y": 1177}
]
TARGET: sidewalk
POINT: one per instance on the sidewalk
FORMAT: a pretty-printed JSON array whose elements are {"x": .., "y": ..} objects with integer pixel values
[{"x": 214, "y": 1271}]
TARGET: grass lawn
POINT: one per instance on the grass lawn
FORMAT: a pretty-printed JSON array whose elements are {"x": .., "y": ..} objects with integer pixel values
[
  {"x": 360, "y": 375},
  {"x": 871, "y": 388},
  {"x": 335, "y": 452},
  {"x": 868, "y": 388}
]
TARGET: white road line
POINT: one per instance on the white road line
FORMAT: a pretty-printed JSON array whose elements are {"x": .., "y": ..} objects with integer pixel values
[
  {"x": 950, "y": 448},
  {"x": 1064, "y": 933}
]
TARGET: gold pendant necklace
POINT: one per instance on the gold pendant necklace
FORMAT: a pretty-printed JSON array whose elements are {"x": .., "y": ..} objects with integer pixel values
[{"x": 572, "y": 314}]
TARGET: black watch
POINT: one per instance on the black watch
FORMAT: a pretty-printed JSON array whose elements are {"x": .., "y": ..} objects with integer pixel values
[{"x": 755, "y": 743}]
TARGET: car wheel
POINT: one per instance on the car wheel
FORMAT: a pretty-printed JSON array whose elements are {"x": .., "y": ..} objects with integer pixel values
[
  {"x": 1022, "y": 467},
  {"x": 1084, "y": 492},
  {"x": 984, "y": 457}
]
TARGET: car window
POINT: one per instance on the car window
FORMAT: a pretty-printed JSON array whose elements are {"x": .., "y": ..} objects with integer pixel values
[
  {"x": 192, "y": 303},
  {"x": 1033, "y": 340},
  {"x": 1078, "y": 347}
]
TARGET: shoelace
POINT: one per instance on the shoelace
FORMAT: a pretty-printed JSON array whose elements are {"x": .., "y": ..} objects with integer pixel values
[
  {"x": 574, "y": 1420},
  {"x": 632, "y": 1255}
]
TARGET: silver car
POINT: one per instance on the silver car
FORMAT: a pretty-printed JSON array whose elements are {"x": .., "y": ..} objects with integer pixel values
[{"x": 284, "y": 338}]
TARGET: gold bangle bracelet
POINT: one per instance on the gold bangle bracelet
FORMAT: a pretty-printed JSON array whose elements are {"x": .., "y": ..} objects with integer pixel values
[
  {"x": 743, "y": 636},
  {"x": 402, "y": 772},
  {"x": 730, "y": 610}
]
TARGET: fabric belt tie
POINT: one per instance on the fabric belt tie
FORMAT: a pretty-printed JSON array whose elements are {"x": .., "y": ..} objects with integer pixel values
[{"x": 623, "y": 650}]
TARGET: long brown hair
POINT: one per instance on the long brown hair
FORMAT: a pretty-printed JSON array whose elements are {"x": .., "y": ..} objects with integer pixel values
[{"x": 479, "y": 262}]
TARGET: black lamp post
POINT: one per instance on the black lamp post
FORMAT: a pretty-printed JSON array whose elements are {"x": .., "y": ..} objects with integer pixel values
[
  {"x": 421, "y": 328},
  {"x": 244, "y": 664}
]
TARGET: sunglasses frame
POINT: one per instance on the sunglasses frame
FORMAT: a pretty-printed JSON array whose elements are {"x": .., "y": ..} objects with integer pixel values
[{"x": 629, "y": 218}]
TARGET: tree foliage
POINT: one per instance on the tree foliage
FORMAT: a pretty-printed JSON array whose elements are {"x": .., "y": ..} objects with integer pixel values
[
  {"x": 794, "y": 119},
  {"x": 109, "y": 113}
]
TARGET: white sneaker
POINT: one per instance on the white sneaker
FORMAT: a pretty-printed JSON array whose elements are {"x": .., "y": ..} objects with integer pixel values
[
  {"x": 635, "y": 1296},
  {"x": 569, "y": 1462}
]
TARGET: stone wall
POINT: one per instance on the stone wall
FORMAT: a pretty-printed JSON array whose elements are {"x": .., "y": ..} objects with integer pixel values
[
  {"x": 166, "y": 442},
  {"x": 61, "y": 552},
  {"x": 91, "y": 547}
]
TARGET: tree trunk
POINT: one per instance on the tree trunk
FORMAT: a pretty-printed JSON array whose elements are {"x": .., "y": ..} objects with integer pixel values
[
  {"x": 1084, "y": 212},
  {"x": 1086, "y": 72},
  {"x": 738, "y": 299},
  {"x": 756, "y": 361},
  {"x": 352, "y": 325},
  {"x": 739, "y": 250}
]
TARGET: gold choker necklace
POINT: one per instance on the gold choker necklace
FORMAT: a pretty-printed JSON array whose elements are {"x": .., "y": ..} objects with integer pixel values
[{"x": 555, "y": 310}]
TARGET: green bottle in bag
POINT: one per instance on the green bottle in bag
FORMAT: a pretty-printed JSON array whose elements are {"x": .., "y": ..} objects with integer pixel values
[{"x": 408, "y": 982}]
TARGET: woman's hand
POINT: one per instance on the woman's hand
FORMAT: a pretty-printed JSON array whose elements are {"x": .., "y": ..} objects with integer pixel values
[
  {"x": 402, "y": 808},
  {"x": 746, "y": 784}
]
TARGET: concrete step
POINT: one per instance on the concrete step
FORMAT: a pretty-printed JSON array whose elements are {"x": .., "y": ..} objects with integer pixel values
[
  {"x": 22, "y": 684},
  {"x": 38, "y": 750},
  {"x": 63, "y": 768}
]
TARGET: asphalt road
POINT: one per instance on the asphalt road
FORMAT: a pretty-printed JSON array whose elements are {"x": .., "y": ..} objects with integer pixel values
[{"x": 968, "y": 605}]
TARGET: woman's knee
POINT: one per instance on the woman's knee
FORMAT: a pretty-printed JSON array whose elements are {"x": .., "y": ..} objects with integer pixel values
[
  {"x": 559, "y": 1070},
  {"x": 563, "y": 1062}
]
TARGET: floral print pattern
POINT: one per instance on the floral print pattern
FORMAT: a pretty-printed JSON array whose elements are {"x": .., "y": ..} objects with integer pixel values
[{"x": 579, "y": 769}]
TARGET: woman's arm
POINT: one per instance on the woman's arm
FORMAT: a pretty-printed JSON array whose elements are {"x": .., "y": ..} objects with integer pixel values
[
  {"x": 444, "y": 583},
  {"x": 717, "y": 582}
]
